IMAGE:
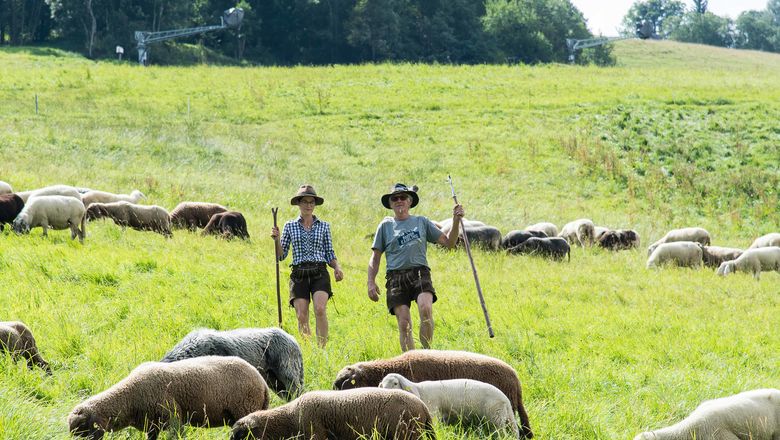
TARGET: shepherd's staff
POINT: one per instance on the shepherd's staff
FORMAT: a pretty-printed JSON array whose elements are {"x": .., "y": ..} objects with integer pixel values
[
  {"x": 276, "y": 257},
  {"x": 471, "y": 259}
]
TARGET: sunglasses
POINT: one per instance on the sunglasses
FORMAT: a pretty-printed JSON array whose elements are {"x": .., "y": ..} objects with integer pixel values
[{"x": 397, "y": 198}]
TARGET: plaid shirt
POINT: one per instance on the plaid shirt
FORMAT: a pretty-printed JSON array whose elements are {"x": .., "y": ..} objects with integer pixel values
[{"x": 312, "y": 246}]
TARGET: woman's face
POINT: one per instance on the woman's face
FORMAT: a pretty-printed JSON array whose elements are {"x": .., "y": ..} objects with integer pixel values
[{"x": 306, "y": 205}]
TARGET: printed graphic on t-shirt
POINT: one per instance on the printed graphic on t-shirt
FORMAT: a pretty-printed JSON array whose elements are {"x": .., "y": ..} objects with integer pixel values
[{"x": 408, "y": 236}]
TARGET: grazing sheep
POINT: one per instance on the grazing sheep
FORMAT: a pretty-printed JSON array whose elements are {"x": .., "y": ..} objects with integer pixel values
[
  {"x": 455, "y": 400},
  {"x": 205, "y": 391},
  {"x": 681, "y": 253},
  {"x": 485, "y": 237},
  {"x": 139, "y": 217},
  {"x": 771, "y": 239},
  {"x": 194, "y": 215},
  {"x": 548, "y": 228},
  {"x": 446, "y": 224},
  {"x": 56, "y": 212},
  {"x": 5, "y": 188},
  {"x": 10, "y": 206},
  {"x": 54, "y": 190},
  {"x": 272, "y": 351},
  {"x": 619, "y": 239},
  {"x": 228, "y": 224},
  {"x": 555, "y": 248},
  {"x": 714, "y": 256},
  {"x": 420, "y": 365},
  {"x": 697, "y": 235},
  {"x": 579, "y": 232},
  {"x": 753, "y": 261},
  {"x": 95, "y": 196},
  {"x": 513, "y": 238},
  {"x": 18, "y": 341},
  {"x": 342, "y": 415},
  {"x": 751, "y": 415}
]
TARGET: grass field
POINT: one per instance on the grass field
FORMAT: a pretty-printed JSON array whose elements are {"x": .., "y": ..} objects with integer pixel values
[{"x": 674, "y": 135}]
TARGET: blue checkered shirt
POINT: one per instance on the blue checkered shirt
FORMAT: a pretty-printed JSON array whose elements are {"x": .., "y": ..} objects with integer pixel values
[{"x": 312, "y": 246}]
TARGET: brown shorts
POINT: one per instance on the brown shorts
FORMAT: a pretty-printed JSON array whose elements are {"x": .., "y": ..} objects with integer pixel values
[
  {"x": 403, "y": 286},
  {"x": 307, "y": 278}
]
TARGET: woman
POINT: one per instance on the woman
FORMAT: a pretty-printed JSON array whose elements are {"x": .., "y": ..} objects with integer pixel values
[{"x": 312, "y": 249}]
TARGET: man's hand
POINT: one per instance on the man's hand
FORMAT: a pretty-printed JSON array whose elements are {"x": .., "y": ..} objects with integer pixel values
[{"x": 373, "y": 291}]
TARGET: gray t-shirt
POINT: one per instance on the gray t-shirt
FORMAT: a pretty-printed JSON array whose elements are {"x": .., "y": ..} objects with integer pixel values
[{"x": 405, "y": 242}]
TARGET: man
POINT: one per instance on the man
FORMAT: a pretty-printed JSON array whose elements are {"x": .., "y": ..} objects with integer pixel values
[
  {"x": 312, "y": 250},
  {"x": 404, "y": 238}
]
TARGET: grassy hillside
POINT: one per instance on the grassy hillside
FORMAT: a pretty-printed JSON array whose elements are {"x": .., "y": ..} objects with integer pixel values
[{"x": 675, "y": 135}]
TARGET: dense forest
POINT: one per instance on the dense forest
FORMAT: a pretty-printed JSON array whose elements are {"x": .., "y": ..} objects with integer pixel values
[{"x": 288, "y": 32}]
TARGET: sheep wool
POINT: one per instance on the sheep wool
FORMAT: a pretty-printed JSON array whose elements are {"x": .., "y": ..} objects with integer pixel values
[
  {"x": 421, "y": 365},
  {"x": 54, "y": 190},
  {"x": 681, "y": 253},
  {"x": 205, "y": 391},
  {"x": 696, "y": 235},
  {"x": 343, "y": 415},
  {"x": 194, "y": 215},
  {"x": 548, "y": 228},
  {"x": 95, "y": 196},
  {"x": 56, "y": 212},
  {"x": 772, "y": 239},
  {"x": 753, "y": 261},
  {"x": 5, "y": 188},
  {"x": 17, "y": 340},
  {"x": 139, "y": 217}
]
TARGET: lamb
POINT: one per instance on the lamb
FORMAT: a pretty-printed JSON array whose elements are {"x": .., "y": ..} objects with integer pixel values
[
  {"x": 714, "y": 256},
  {"x": 54, "y": 190},
  {"x": 619, "y": 239},
  {"x": 193, "y": 215},
  {"x": 420, "y": 365},
  {"x": 139, "y": 217},
  {"x": 771, "y": 239},
  {"x": 697, "y": 235},
  {"x": 205, "y": 391},
  {"x": 228, "y": 224},
  {"x": 95, "y": 196},
  {"x": 753, "y": 261},
  {"x": 18, "y": 341},
  {"x": 753, "y": 415},
  {"x": 272, "y": 351},
  {"x": 56, "y": 212},
  {"x": 579, "y": 232},
  {"x": 457, "y": 399},
  {"x": 10, "y": 206},
  {"x": 5, "y": 188},
  {"x": 681, "y": 253},
  {"x": 513, "y": 238},
  {"x": 548, "y": 228},
  {"x": 343, "y": 415},
  {"x": 485, "y": 237},
  {"x": 555, "y": 248}
]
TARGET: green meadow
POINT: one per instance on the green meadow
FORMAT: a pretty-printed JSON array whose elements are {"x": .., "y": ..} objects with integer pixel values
[{"x": 675, "y": 135}]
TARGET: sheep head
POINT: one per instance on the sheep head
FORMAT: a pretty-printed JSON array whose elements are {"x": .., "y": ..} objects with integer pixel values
[
  {"x": 96, "y": 210},
  {"x": 21, "y": 224},
  {"x": 83, "y": 422},
  {"x": 349, "y": 377}
]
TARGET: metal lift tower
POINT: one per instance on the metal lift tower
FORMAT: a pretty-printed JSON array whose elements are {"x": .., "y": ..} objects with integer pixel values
[{"x": 231, "y": 18}]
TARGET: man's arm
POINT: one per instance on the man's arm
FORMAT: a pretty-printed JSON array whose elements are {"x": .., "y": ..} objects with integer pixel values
[
  {"x": 373, "y": 268},
  {"x": 451, "y": 239}
]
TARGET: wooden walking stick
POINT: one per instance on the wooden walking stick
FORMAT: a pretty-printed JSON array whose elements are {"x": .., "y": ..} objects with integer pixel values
[
  {"x": 471, "y": 259},
  {"x": 276, "y": 257}
]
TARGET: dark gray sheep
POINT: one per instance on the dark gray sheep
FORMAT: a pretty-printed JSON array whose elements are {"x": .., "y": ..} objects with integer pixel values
[
  {"x": 227, "y": 224},
  {"x": 555, "y": 248},
  {"x": 192, "y": 215},
  {"x": 713, "y": 256},
  {"x": 485, "y": 237},
  {"x": 420, "y": 365},
  {"x": 619, "y": 239},
  {"x": 139, "y": 217},
  {"x": 342, "y": 415},
  {"x": 272, "y": 351},
  {"x": 206, "y": 391},
  {"x": 10, "y": 206},
  {"x": 18, "y": 340},
  {"x": 513, "y": 238}
]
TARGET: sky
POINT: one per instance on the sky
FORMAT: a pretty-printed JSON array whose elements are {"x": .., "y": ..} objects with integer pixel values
[{"x": 605, "y": 16}]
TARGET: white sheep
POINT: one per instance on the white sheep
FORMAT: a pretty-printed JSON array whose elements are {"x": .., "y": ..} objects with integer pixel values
[
  {"x": 5, "y": 188},
  {"x": 446, "y": 224},
  {"x": 681, "y": 253},
  {"x": 139, "y": 217},
  {"x": 54, "y": 190},
  {"x": 751, "y": 415},
  {"x": 580, "y": 232},
  {"x": 56, "y": 212},
  {"x": 598, "y": 231},
  {"x": 203, "y": 391},
  {"x": 753, "y": 261},
  {"x": 93, "y": 196},
  {"x": 548, "y": 228},
  {"x": 454, "y": 400},
  {"x": 771, "y": 239},
  {"x": 698, "y": 235}
]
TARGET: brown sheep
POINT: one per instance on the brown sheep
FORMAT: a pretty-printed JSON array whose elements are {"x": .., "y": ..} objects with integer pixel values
[
  {"x": 228, "y": 224},
  {"x": 421, "y": 365},
  {"x": 18, "y": 340},
  {"x": 192, "y": 215},
  {"x": 10, "y": 206},
  {"x": 139, "y": 217}
]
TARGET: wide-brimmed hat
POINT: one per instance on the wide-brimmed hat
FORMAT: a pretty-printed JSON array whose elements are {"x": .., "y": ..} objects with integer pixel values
[
  {"x": 306, "y": 191},
  {"x": 400, "y": 188}
]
